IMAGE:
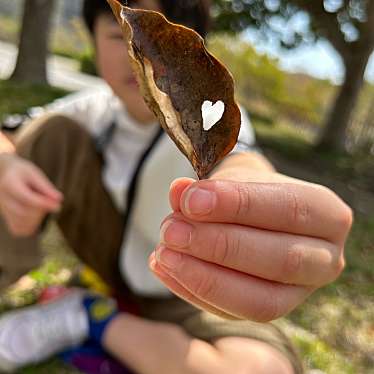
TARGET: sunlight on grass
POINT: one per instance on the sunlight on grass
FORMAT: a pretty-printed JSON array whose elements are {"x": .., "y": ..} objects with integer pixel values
[
  {"x": 18, "y": 98},
  {"x": 319, "y": 355},
  {"x": 283, "y": 138}
]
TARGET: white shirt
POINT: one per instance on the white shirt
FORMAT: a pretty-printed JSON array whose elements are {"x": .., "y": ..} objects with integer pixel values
[{"x": 96, "y": 110}]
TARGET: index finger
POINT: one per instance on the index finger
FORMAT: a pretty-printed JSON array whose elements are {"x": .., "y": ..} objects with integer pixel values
[
  {"x": 30, "y": 198},
  {"x": 304, "y": 209}
]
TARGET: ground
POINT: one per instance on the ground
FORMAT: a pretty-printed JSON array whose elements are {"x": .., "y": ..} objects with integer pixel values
[
  {"x": 340, "y": 317},
  {"x": 334, "y": 329}
]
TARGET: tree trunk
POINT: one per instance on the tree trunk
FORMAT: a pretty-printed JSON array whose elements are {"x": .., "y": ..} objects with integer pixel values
[
  {"x": 31, "y": 63},
  {"x": 334, "y": 134}
]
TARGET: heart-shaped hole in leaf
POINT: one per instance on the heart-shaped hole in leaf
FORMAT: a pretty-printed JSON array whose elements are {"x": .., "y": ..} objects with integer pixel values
[
  {"x": 177, "y": 75},
  {"x": 212, "y": 113}
]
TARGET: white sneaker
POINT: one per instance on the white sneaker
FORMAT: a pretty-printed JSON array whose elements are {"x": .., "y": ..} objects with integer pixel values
[{"x": 34, "y": 334}]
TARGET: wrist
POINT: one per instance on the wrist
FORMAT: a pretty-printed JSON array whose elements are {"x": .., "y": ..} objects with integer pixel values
[
  {"x": 240, "y": 167},
  {"x": 101, "y": 312}
]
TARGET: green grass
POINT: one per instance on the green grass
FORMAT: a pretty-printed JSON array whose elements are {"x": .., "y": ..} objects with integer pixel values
[
  {"x": 52, "y": 367},
  {"x": 340, "y": 316},
  {"x": 17, "y": 97},
  {"x": 318, "y": 355},
  {"x": 282, "y": 138}
]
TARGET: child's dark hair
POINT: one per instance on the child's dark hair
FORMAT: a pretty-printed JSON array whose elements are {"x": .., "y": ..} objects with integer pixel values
[{"x": 192, "y": 13}]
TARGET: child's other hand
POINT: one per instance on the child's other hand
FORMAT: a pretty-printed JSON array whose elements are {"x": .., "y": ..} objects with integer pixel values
[
  {"x": 251, "y": 250},
  {"x": 26, "y": 195}
]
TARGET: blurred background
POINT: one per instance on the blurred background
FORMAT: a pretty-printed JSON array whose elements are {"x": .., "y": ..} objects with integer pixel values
[{"x": 304, "y": 70}]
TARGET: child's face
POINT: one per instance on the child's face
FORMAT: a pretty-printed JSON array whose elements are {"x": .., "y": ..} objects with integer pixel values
[{"x": 114, "y": 66}]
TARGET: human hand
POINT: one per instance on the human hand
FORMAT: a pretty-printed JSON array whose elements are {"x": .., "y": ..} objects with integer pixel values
[
  {"x": 251, "y": 250},
  {"x": 26, "y": 195}
]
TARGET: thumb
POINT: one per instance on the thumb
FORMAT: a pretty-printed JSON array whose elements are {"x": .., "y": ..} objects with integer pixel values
[{"x": 176, "y": 190}]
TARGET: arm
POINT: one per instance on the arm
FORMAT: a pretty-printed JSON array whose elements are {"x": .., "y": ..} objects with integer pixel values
[
  {"x": 251, "y": 167},
  {"x": 168, "y": 349},
  {"x": 233, "y": 165}
]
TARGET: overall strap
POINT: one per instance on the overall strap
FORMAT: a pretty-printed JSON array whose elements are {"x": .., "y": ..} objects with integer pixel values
[{"x": 103, "y": 140}]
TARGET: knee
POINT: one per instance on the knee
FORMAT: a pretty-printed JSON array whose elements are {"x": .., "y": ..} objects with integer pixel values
[
  {"x": 265, "y": 364},
  {"x": 54, "y": 127},
  {"x": 61, "y": 125},
  {"x": 49, "y": 134},
  {"x": 251, "y": 356}
]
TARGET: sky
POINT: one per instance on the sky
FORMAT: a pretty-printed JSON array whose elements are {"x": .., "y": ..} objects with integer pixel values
[{"x": 319, "y": 60}]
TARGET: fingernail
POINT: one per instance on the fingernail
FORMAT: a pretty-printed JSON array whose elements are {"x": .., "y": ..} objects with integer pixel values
[
  {"x": 176, "y": 234},
  {"x": 168, "y": 258},
  {"x": 199, "y": 202}
]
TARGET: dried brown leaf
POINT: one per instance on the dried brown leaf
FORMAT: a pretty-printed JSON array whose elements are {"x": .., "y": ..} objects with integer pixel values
[{"x": 177, "y": 75}]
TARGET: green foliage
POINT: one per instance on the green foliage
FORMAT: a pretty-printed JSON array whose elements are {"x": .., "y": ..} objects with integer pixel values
[
  {"x": 75, "y": 43},
  {"x": 343, "y": 23},
  {"x": 70, "y": 40},
  {"x": 87, "y": 63},
  {"x": 237, "y": 15},
  {"x": 9, "y": 29},
  {"x": 348, "y": 25},
  {"x": 86, "y": 59},
  {"x": 268, "y": 91},
  {"x": 254, "y": 74}
]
